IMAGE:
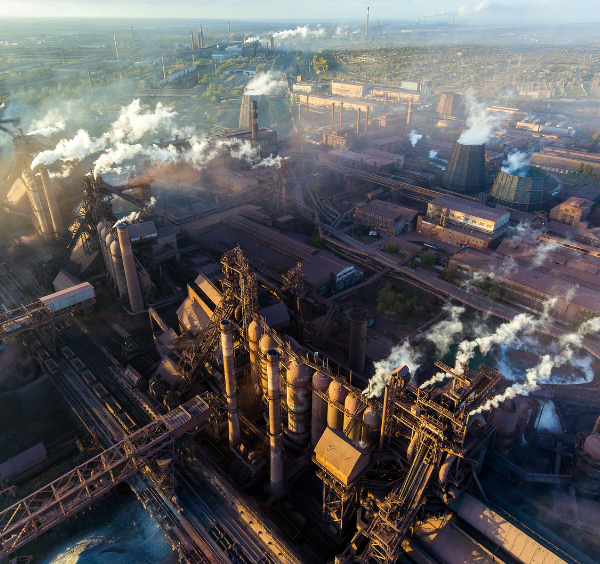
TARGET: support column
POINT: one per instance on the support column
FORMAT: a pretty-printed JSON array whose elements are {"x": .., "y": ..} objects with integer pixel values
[
  {"x": 274, "y": 399},
  {"x": 233, "y": 416}
]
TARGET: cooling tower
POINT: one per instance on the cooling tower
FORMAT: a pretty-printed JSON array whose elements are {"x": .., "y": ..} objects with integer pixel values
[
  {"x": 527, "y": 191},
  {"x": 264, "y": 117},
  {"x": 465, "y": 171}
]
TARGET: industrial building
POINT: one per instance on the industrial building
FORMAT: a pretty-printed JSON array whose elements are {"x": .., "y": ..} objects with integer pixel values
[
  {"x": 390, "y": 218},
  {"x": 348, "y": 89},
  {"x": 463, "y": 223},
  {"x": 449, "y": 104},
  {"x": 573, "y": 211},
  {"x": 304, "y": 86},
  {"x": 361, "y": 161},
  {"x": 565, "y": 161}
]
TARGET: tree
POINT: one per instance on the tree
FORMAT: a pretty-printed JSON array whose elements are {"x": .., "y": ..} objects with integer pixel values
[
  {"x": 428, "y": 259},
  {"x": 390, "y": 248}
]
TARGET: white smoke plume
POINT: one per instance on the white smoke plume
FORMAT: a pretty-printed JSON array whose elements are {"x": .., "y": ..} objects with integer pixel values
[
  {"x": 439, "y": 377},
  {"x": 70, "y": 150},
  {"x": 433, "y": 154},
  {"x": 303, "y": 32},
  {"x": 465, "y": 11},
  {"x": 516, "y": 163},
  {"x": 403, "y": 355},
  {"x": 549, "y": 420},
  {"x": 263, "y": 83},
  {"x": 51, "y": 123},
  {"x": 135, "y": 215},
  {"x": 414, "y": 137},
  {"x": 443, "y": 334},
  {"x": 252, "y": 39},
  {"x": 480, "y": 122}
]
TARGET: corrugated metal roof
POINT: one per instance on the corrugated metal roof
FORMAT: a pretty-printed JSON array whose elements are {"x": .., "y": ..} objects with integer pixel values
[
  {"x": 467, "y": 207},
  {"x": 389, "y": 210},
  {"x": 275, "y": 314},
  {"x": 516, "y": 542},
  {"x": 144, "y": 230},
  {"x": 65, "y": 280},
  {"x": 340, "y": 456},
  {"x": 67, "y": 293}
]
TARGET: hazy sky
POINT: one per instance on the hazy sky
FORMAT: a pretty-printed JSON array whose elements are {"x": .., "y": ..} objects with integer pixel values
[{"x": 474, "y": 11}]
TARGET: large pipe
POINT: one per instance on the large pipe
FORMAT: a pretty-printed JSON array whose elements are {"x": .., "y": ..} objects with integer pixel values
[
  {"x": 115, "y": 252},
  {"x": 409, "y": 114},
  {"x": 255, "y": 332},
  {"x": 298, "y": 403},
  {"x": 359, "y": 319},
  {"x": 265, "y": 345},
  {"x": 133, "y": 285},
  {"x": 277, "y": 478},
  {"x": 233, "y": 416},
  {"x": 318, "y": 422},
  {"x": 36, "y": 202},
  {"x": 254, "y": 112}
]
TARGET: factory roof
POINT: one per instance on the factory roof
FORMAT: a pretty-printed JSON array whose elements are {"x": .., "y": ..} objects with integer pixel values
[
  {"x": 360, "y": 157},
  {"x": 322, "y": 264},
  {"x": 69, "y": 296},
  {"x": 65, "y": 280},
  {"x": 382, "y": 154},
  {"x": 340, "y": 456},
  {"x": 348, "y": 102},
  {"x": 191, "y": 316},
  {"x": 23, "y": 461},
  {"x": 276, "y": 314},
  {"x": 468, "y": 207},
  {"x": 386, "y": 140},
  {"x": 580, "y": 203},
  {"x": 388, "y": 210},
  {"x": 140, "y": 231}
]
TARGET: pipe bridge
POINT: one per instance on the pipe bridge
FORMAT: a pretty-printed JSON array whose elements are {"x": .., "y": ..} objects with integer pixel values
[{"x": 151, "y": 450}]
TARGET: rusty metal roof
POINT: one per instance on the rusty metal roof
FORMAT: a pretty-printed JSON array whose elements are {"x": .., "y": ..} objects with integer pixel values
[{"x": 340, "y": 456}]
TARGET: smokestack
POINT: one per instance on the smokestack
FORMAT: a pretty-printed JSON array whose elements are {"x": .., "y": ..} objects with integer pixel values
[
  {"x": 201, "y": 39},
  {"x": 116, "y": 48},
  {"x": 133, "y": 285},
  {"x": 49, "y": 189},
  {"x": 121, "y": 282},
  {"x": 358, "y": 123},
  {"x": 341, "y": 114},
  {"x": 367, "y": 28},
  {"x": 133, "y": 37},
  {"x": 367, "y": 121},
  {"x": 358, "y": 338},
  {"x": 332, "y": 117},
  {"x": 90, "y": 79},
  {"x": 274, "y": 400},
  {"x": 235, "y": 435},
  {"x": 108, "y": 241},
  {"x": 164, "y": 70},
  {"x": 254, "y": 112},
  {"x": 36, "y": 202},
  {"x": 272, "y": 43},
  {"x": 409, "y": 114},
  {"x": 228, "y": 30},
  {"x": 192, "y": 40}
]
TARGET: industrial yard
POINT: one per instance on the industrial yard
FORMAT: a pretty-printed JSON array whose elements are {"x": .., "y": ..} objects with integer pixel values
[{"x": 306, "y": 295}]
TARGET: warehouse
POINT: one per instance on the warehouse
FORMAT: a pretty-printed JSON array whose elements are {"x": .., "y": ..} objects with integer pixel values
[
  {"x": 349, "y": 89},
  {"x": 390, "y": 218}
]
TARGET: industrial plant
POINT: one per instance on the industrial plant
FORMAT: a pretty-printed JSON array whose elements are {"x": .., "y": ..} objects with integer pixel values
[{"x": 265, "y": 298}]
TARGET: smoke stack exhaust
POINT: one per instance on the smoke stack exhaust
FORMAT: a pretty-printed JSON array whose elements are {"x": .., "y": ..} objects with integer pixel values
[
  {"x": 201, "y": 39},
  {"x": 133, "y": 37},
  {"x": 341, "y": 114},
  {"x": 358, "y": 123},
  {"x": 359, "y": 318},
  {"x": 274, "y": 399},
  {"x": 254, "y": 112},
  {"x": 131, "y": 277},
  {"x": 272, "y": 44},
  {"x": 367, "y": 27},
  {"x": 233, "y": 417},
  {"x": 332, "y": 117},
  {"x": 409, "y": 114},
  {"x": 49, "y": 189}
]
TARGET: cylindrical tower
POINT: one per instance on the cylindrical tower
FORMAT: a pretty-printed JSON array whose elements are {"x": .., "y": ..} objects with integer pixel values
[
  {"x": 50, "y": 190},
  {"x": 255, "y": 332},
  {"x": 265, "y": 345},
  {"x": 409, "y": 114},
  {"x": 352, "y": 404},
  {"x": 371, "y": 428},
  {"x": 110, "y": 265},
  {"x": 298, "y": 403},
  {"x": 465, "y": 171},
  {"x": 133, "y": 284},
  {"x": 359, "y": 318},
  {"x": 335, "y": 417},
  {"x": 121, "y": 282},
  {"x": 505, "y": 422},
  {"x": 527, "y": 190},
  {"x": 254, "y": 111},
  {"x": 102, "y": 244},
  {"x": 233, "y": 416},
  {"x": 318, "y": 424},
  {"x": 36, "y": 202},
  {"x": 277, "y": 477},
  {"x": 586, "y": 463}
]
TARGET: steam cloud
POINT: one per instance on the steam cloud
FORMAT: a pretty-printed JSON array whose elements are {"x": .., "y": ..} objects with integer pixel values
[
  {"x": 414, "y": 137},
  {"x": 51, "y": 123},
  {"x": 301, "y": 31},
  {"x": 480, "y": 122},
  {"x": 465, "y": 11},
  {"x": 266, "y": 83},
  {"x": 516, "y": 163},
  {"x": 433, "y": 154}
]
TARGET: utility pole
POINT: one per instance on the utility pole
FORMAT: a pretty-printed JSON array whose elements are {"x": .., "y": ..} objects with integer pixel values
[{"x": 116, "y": 48}]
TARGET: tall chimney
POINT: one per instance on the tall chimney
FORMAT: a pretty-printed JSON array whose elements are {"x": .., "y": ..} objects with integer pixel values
[
  {"x": 228, "y": 31},
  {"x": 233, "y": 417},
  {"x": 367, "y": 121},
  {"x": 133, "y": 37},
  {"x": 164, "y": 70},
  {"x": 359, "y": 318},
  {"x": 332, "y": 117},
  {"x": 254, "y": 112},
  {"x": 90, "y": 79},
  {"x": 272, "y": 43},
  {"x": 115, "y": 253},
  {"x": 36, "y": 202},
  {"x": 367, "y": 27},
  {"x": 409, "y": 114},
  {"x": 131, "y": 277},
  {"x": 198, "y": 41},
  {"x": 192, "y": 40},
  {"x": 201, "y": 39},
  {"x": 341, "y": 114},
  {"x": 116, "y": 48},
  {"x": 358, "y": 123},
  {"x": 49, "y": 189},
  {"x": 274, "y": 400}
]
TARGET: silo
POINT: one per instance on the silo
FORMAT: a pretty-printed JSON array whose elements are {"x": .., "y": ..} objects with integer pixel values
[
  {"x": 505, "y": 422},
  {"x": 335, "y": 417},
  {"x": 110, "y": 265},
  {"x": 528, "y": 190},
  {"x": 277, "y": 476},
  {"x": 50, "y": 191},
  {"x": 359, "y": 318},
  {"x": 352, "y": 404},
  {"x": 233, "y": 417},
  {"x": 133, "y": 284},
  {"x": 36, "y": 202},
  {"x": 255, "y": 332},
  {"x": 465, "y": 172},
  {"x": 371, "y": 428},
  {"x": 298, "y": 403},
  {"x": 102, "y": 244},
  {"x": 115, "y": 252},
  {"x": 320, "y": 382},
  {"x": 266, "y": 344}
]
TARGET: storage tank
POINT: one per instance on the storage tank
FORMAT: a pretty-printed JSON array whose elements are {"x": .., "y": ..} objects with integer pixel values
[
  {"x": 371, "y": 428},
  {"x": 298, "y": 403},
  {"x": 352, "y": 404},
  {"x": 320, "y": 382},
  {"x": 465, "y": 172},
  {"x": 335, "y": 417},
  {"x": 276, "y": 471},
  {"x": 110, "y": 265},
  {"x": 527, "y": 189},
  {"x": 359, "y": 318},
  {"x": 115, "y": 252},
  {"x": 255, "y": 332},
  {"x": 102, "y": 244},
  {"x": 266, "y": 344}
]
